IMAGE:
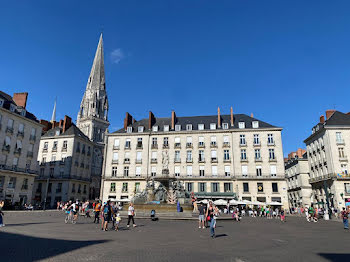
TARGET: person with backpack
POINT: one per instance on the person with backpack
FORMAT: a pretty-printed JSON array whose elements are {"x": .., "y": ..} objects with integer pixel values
[
  {"x": 107, "y": 215},
  {"x": 345, "y": 217}
]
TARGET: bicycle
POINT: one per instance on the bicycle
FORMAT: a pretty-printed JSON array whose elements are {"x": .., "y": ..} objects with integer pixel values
[{"x": 69, "y": 217}]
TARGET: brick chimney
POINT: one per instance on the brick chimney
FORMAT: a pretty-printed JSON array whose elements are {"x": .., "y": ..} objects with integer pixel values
[
  {"x": 67, "y": 122},
  {"x": 232, "y": 120},
  {"x": 322, "y": 119},
  {"x": 46, "y": 124},
  {"x": 60, "y": 123},
  {"x": 329, "y": 113},
  {"x": 127, "y": 120},
  {"x": 20, "y": 99},
  {"x": 219, "y": 118},
  {"x": 151, "y": 120},
  {"x": 173, "y": 120}
]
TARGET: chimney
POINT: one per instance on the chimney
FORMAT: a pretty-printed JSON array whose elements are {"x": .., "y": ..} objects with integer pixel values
[
  {"x": 329, "y": 113},
  {"x": 127, "y": 120},
  {"x": 151, "y": 120},
  {"x": 173, "y": 119},
  {"x": 46, "y": 125},
  {"x": 232, "y": 120},
  {"x": 219, "y": 118},
  {"x": 67, "y": 122},
  {"x": 60, "y": 123},
  {"x": 322, "y": 119},
  {"x": 20, "y": 99}
]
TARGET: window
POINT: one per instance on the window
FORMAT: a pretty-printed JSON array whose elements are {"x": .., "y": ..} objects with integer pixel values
[
  {"x": 139, "y": 142},
  {"x": 154, "y": 141},
  {"x": 272, "y": 153},
  {"x": 10, "y": 123},
  {"x": 20, "y": 128},
  {"x": 212, "y": 126},
  {"x": 201, "y": 141},
  {"x": 245, "y": 171},
  {"x": 215, "y": 187},
  {"x": 189, "y": 187},
  {"x": 15, "y": 162},
  {"x": 137, "y": 187},
  {"x": 112, "y": 189},
  {"x": 227, "y": 187},
  {"x": 260, "y": 187},
  {"x": 177, "y": 171},
  {"x": 52, "y": 170},
  {"x": 177, "y": 127},
  {"x": 241, "y": 124},
  {"x": 270, "y": 140},
  {"x": 177, "y": 155},
  {"x": 242, "y": 140},
  {"x": 116, "y": 143},
  {"x": 213, "y": 156},
  {"x": 154, "y": 156},
  {"x": 127, "y": 143},
  {"x": 226, "y": 140},
  {"x": 225, "y": 126},
  {"x": 201, "y": 155},
  {"x": 166, "y": 142},
  {"x": 12, "y": 182},
  {"x": 339, "y": 137},
  {"x": 140, "y": 129},
  {"x": 2, "y": 181},
  {"x": 341, "y": 152},
  {"x": 274, "y": 187},
  {"x": 243, "y": 154},
  {"x": 255, "y": 124},
  {"x": 65, "y": 144},
  {"x": 214, "y": 170},
  {"x": 153, "y": 171},
  {"x": 256, "y": 139},
  {"x": 347, "y": 188},
  {"x": 1, "y": 102},
  {"x": 12, "y": 107},
  {"x": 245, "y": 187},
  {"x": 114, "y": 171},
  {"x": 201, "y": 171},
  {"x": 19, "y": 145},
  {"x": 54, "y": 147},
  {"x": 177, "y": 142},
  {"x": 84, "y": 189},
  {"x": 166, "y": 128},
  {"x": 73, "y": 188},
  {"x": 127, "y": 157},
  {"x": 226, "y": 154},
  {"x": 126, "y": 171},
  {"x": 227, "y": 171},
  {"x": 189, "y": 155},
  {"x": 273, "y": 170},
  {"x": 155, "y": 128},
  {"x": 189, "y": 127},
  {"x": 213, "y": 140},
  {"x": 46, "y": 145},
  {"x": 115, "y": 157},
  {"x": 258, "y": 171},
  {"x": 125, "y": 187},
  {"x": 257, "y": 154},
  {"x": 189, "y": 170},
  {"x": 344, "y": 169},
  {"x": 53, "y": 158},
  {"x": 200, "y": 126},
  {"x": 138, "y": 156},
  {"x": 202, "y": 187},
  {"x": 129, "y": 129},
  {"x": 138, "y": 171}
]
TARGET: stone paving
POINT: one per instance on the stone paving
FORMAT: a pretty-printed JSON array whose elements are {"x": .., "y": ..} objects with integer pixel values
[{"x": 34, "y": 236}]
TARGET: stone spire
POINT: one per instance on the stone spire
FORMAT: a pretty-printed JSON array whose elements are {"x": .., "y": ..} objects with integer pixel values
[
  {"x": 92, "y": 117},
  {"x": 53, "y": 117}
]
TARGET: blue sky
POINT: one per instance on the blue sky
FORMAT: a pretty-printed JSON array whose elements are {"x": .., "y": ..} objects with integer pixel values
[{"x": 285, "y": 61}]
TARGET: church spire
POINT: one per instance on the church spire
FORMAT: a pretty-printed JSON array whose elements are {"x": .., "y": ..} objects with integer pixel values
[
  {"x": 53, "y": 117},
  {"x": 97, "y": 75}
]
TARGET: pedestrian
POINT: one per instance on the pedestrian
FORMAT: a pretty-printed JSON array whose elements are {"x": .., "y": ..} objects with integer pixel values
[
  {"x": 211, "y": 213},
  {"x": 131, "y": 214},
  {"x": 201, "y": 218},
  {"x": 345, "y": 217},
  {"x": 283, "y": 216},
  {"x": 1, "y": 213},
  {"x": 97, "y": 210},
  {"x": 107, "y": 215}
]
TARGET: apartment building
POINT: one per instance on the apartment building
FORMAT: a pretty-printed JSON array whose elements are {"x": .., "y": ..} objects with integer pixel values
[
  {"x": 217, "y": 156},
  {"x": 20, "y": 134}
]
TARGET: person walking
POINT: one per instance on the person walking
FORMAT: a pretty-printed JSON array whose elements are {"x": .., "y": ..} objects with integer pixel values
[
  {"x": 97, "y": 210},
  {"x": 211, "y": 213},
  {"x": 1, "y": 213},
  {"x": 131, "y": 214},
  {"x": 201, "y": 218},
  {"x": 345, "y": 217},
  {"x": 107, "y": 215}
]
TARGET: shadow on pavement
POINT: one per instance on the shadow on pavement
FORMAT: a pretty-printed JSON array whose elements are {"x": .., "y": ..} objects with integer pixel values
[
  {"x": 221, "y": 235},
  {"x": 335, "y": 257},
  {"x": 25, "y": 224},
  {"x": 15, "y": 247}
]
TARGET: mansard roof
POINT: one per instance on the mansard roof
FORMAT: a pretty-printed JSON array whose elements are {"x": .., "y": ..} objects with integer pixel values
[{"x": 72, "y": 130}]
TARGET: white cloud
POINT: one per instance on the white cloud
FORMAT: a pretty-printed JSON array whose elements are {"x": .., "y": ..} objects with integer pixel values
[{"x": 117, "y": 55}]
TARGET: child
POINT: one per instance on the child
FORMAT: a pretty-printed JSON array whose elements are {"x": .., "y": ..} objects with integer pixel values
[
  {"x": 283, "y": 218},
  {"x": 117, "y": 221}
]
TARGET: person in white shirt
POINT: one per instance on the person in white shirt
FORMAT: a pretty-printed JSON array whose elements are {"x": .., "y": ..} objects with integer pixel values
[{"x": 131, "y": 214}]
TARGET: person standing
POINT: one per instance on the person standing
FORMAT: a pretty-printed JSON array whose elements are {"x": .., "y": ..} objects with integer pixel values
[
  {"x": 131, "y": 214},
  {"x": 345, "y": 217},
  {"x": 210, "y": 214},
  {"x": 201, "y": 218},
  {"x": 1, "y": 213},
  {"x": 283, "y": 217},
  {"x": 107, "y": 215},
  {"x": 97, "y": 210}
]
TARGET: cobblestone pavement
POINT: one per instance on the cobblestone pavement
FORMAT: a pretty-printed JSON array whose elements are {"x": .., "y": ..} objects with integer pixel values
[{"x": 33, "y": 236}]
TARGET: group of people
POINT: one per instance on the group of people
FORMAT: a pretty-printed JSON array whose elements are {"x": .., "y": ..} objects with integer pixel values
[{"x": 207, "y": 216}]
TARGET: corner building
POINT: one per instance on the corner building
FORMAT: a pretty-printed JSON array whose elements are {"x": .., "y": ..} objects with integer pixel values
[{"x": 217, "y": 156}]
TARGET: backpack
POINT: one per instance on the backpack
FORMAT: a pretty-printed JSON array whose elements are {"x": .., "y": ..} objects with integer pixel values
[{"x": 105, "y": 210}]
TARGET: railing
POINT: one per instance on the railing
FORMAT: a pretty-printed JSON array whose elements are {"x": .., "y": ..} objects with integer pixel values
[
  {"x": 189, "y": 145},
  {"x": 226, "y": 144},
  {"x": 115, "y": 147},
  {"x": 165, "y": 146},
  {"x": 154, "y": 161},
  {"x": 201, "y": 145},
  {"x": 177, "y": 145},
  {"x": 20, "y": 134},
  {"x": 266, "y": 177},
  {"x": 64, "y": 149},
  {"x": 115, "y": 161},
  {"x": 6, "y": 148},
  {"x": 242, "y": 144},
  {"x": 154, "y": 146},
  {"x": 17, "y": 169},
  {"x": 271, "y": 143},
  {"x": 9, "y": 130}
]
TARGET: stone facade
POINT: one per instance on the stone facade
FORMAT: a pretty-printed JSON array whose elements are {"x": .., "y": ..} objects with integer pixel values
[
  {"x": 214, "y": 156},
  {"x": 20, "y": 135}
]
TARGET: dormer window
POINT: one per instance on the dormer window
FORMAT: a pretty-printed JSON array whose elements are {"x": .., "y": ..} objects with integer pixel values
[
  {"x": 12, "y": 108},
  {"x": 241, "y": 124},
  {"x": 57, "y": 132},
  {"x": 166, "y": 128},
  {"x": 23, "y": 112},
  {"x": 155, "y": 128},
  {"x": 212, "y": 126},
  {"x": 1, "y": 102},
  {"x": 200, "y": 126},
  {"x": 255, "y": 124},
  {"x": 189, "y": 127},
  {"x": 140, "y": 129},
  {"x": 129, "y": 129},
  {"x": 225, "y": 126},
  {"x": 177, "y": 127}
]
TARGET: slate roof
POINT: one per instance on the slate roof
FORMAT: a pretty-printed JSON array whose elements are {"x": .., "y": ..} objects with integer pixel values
[
  {"x": 72, "y": 130},
  {"x": 336, "y": 119},
  {"x": 8, "y": 101},
  {"x": 195, "y": 120}
]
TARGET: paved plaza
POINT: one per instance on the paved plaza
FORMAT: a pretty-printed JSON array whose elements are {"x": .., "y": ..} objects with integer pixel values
[{"x": 34, "y": 236}]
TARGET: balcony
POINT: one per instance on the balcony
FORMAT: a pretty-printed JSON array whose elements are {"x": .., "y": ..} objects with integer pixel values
[
  {"x": 54, "y": 149},
  {"x": 226, "y": 144},
  {"x": 201, "y": 145},
  {"x": 20, "y": 134},
  {"x": 154, "y": 146},
  {"x": 270, "y": 143},
  {"x": 244, "y": 159},
  {"x": 9, "y": 130},
  {"x": 138, "y": 161},
  {"x": 32, "y": 138},
  {"x": 343, "y": 158},
  {"x": 189, "y": 160},
  {"x": 115, "y": 147},
  {"x": 165, "y": 146},
  {"x": 214, "y": 159},
  {"x": 17, "y": 151},
  {"x": 127, "y": 161},
  {"x": 227, "y": 160},
  {"x": 29, "y": 154},
  {"x": 139, "y": 146},
  {"x": 64, "y": 149},
  {"x": 6, "y": 148},
  {"x": 177, "y": 160},
  {"x": 243, "y": 144},
  {"x": 154, "y": 161},
  {"x": 44, "y": 149},
  {"x": 127, "y": 147},
  {"x": 17, "y": 169},
  {"x": 201, "y": 160},
  {"x": 177, "y": 145},
  {"x": 258, "y": 159},
  {"x": 340, "y": 142},
  {"x": 189, "y": 145},
  {"x": 272, "y": 159},
  {"x": 257, "y": 144},
  {"x": 213, "y": 145},
  {"x": 114, "y": 161},
  {"x": 43, "y": 164}
]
